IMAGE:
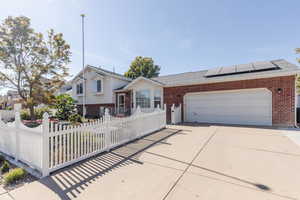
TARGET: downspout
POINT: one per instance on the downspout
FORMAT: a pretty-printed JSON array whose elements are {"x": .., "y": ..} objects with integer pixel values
[{"x": 296, "y": 102}]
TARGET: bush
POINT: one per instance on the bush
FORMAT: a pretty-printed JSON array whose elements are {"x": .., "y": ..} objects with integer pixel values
[
  {"x": 38, "y": 112},
  {"x": 14, "y": 175},
  {"x": 74, "y": 118},
  {"x": 25, "y": 114},
  {"x": 2, "y": 159},
  {"x": 5, "y": 167}
]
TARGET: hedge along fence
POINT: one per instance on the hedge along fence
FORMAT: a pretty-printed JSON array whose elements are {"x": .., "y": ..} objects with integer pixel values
[{"x": 52, "y": 146}]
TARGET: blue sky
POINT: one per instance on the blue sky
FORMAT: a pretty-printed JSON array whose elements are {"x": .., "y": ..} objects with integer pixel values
[{"x": 179, "y": 35}]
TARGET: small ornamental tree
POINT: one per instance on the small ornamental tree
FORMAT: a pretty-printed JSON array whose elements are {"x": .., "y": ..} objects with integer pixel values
[
  {"x": 142, "y": 66},
  {"x": 33, "y": 65},
  {"x": 65, "y": 106}
]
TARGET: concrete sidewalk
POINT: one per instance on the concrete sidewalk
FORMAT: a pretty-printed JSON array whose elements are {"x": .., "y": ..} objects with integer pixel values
[{"x": 182, "y": 162}]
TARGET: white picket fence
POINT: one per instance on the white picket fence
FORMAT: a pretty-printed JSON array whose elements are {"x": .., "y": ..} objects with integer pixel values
[
  {"x": 176, "y": 114},
  {"x": 7, "y": 115},
  {"x": 51, "y": 146}
]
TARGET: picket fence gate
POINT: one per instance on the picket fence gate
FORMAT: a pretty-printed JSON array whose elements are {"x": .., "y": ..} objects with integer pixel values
[{"x": 52, "y": 146}]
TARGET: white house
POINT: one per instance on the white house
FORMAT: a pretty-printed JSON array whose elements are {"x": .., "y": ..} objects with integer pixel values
[
  {"x": 257, "y": 93},
  {"x": 97, "y": 91}
]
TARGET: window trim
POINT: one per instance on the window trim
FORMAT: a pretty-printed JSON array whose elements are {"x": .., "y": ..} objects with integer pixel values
[
  {"x": 160, "y": 98},
  {"x": 149, "y": 98},
  {"x": 95, "y": 87},
  {"x": 82, "y": 93}
]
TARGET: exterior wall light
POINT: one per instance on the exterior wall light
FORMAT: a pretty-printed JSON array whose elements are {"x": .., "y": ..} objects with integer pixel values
[{"x": 279, "y": 90}]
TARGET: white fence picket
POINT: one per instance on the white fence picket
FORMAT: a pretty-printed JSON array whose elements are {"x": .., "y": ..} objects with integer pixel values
[{"x": 52, "y": 146}]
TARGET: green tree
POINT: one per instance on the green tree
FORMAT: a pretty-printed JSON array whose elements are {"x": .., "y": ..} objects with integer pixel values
[
  {"x": 142, "y": 66},
  {"x": 31, "y": 64},
  {"x": 65, "y": 106},
  {"x": 298, "y": 77}
]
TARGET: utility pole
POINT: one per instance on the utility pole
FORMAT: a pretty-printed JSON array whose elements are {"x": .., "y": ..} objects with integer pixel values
[{"x": 83, "y": 77}]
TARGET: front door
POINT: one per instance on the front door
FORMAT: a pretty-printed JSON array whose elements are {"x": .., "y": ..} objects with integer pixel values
[{"x": 121, "y": 103}]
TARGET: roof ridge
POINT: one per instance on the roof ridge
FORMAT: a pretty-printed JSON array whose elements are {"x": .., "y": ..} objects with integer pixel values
[{"x": 108, "y": 71}]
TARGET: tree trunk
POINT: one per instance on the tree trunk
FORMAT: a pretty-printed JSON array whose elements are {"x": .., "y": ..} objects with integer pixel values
[{"x": 31, "y": 111}]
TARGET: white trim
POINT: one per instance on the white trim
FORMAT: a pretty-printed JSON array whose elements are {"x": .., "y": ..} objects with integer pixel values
[
  {"x": 99, "y": 70},
  {"x": 226, "y": 91},
  {"x": 102, "y": 86},
  {"x": 118, "y": 100},
  {"x": 141, "y": 78}
]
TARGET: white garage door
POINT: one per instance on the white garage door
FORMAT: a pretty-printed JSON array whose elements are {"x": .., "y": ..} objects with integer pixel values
[{"x": 249, "y": 107}]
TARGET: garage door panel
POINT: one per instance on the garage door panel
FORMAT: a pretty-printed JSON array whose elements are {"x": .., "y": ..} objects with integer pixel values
[{"x": 253, "y": 107}]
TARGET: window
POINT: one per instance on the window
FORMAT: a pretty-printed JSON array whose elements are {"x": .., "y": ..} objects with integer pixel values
[
  {"x": 143, "y": 98},
  {"x": 157, "y": 98},
  {"x": 98, "y": 86},
  {"x": 79, "y": 88}
]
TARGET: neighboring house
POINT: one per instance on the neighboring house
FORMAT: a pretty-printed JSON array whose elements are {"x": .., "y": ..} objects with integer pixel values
[
  {"x": 65, "y": 89},
  {"x": 13, "y": 97},
  {"x": 259, "y": 93}
]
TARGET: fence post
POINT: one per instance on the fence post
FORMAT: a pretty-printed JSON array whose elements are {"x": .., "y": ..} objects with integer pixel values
[
  {"x": 45, "y": 145},
  {"x": 180, "y": 115},
  {"x": 173, "y": 114},
  {"x": 17, "y": 109},
  {"x": 107, "y": 129}
]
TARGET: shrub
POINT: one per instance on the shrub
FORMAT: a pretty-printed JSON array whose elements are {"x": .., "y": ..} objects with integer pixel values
[
  {"x": 38, "y": 112},
  {"x": 2, "y": 159},
  {"x": 74, "y": 118},
  {"x": 65, "y": 106},
  {"x": 14, "y": 175},
  {"x": 5, "y": 167},
  {"x": 9, "y": 108},
  {"x": 25, "y": 114}
]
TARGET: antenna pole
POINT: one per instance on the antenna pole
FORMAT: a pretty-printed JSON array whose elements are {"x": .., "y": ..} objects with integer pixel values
[{"x": 83, "y": 65}]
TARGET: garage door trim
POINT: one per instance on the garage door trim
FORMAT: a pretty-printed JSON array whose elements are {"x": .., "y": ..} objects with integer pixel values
[{"x": 228, "y": 91}]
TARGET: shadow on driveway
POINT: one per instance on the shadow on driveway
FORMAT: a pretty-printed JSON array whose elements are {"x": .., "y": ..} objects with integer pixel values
[{"x": 68, "y": 182}]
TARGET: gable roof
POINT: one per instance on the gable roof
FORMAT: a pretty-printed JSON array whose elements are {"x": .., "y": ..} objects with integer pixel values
[
  {"x": 102, "y": 71},
  {"x": 155, "y": 82},
  {"x": 198, "y": 77}
]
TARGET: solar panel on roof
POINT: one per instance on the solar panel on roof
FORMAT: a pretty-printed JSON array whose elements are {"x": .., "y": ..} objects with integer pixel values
[
  {"x": 213, "y": 72},
  {"x": 242, "y": 68},
  {"x": 228, "y": 70},
  {"x": 263, "y": 65}
]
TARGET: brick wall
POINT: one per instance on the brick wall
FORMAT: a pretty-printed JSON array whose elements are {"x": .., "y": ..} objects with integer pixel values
[
  {"x": 283, "y": 108},
  {"x": 93, "y": 110},
  {"x": 127, "y": 100}
]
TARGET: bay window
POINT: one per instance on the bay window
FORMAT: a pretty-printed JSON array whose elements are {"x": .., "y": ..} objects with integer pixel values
[{"x": 143, "y": 98}]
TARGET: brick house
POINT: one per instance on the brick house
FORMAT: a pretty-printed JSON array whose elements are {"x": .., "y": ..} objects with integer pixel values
[{"x": 258, "y": 93}]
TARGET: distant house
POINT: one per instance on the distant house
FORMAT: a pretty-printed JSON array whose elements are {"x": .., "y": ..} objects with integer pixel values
[
  {"x": 12, "y": 97},
  {"x": 258, "y": 93},
  {"x": 65, "y": 89}
]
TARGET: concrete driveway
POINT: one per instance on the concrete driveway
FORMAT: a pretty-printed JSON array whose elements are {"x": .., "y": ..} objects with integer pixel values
[{"x": 182, "y": 162}]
